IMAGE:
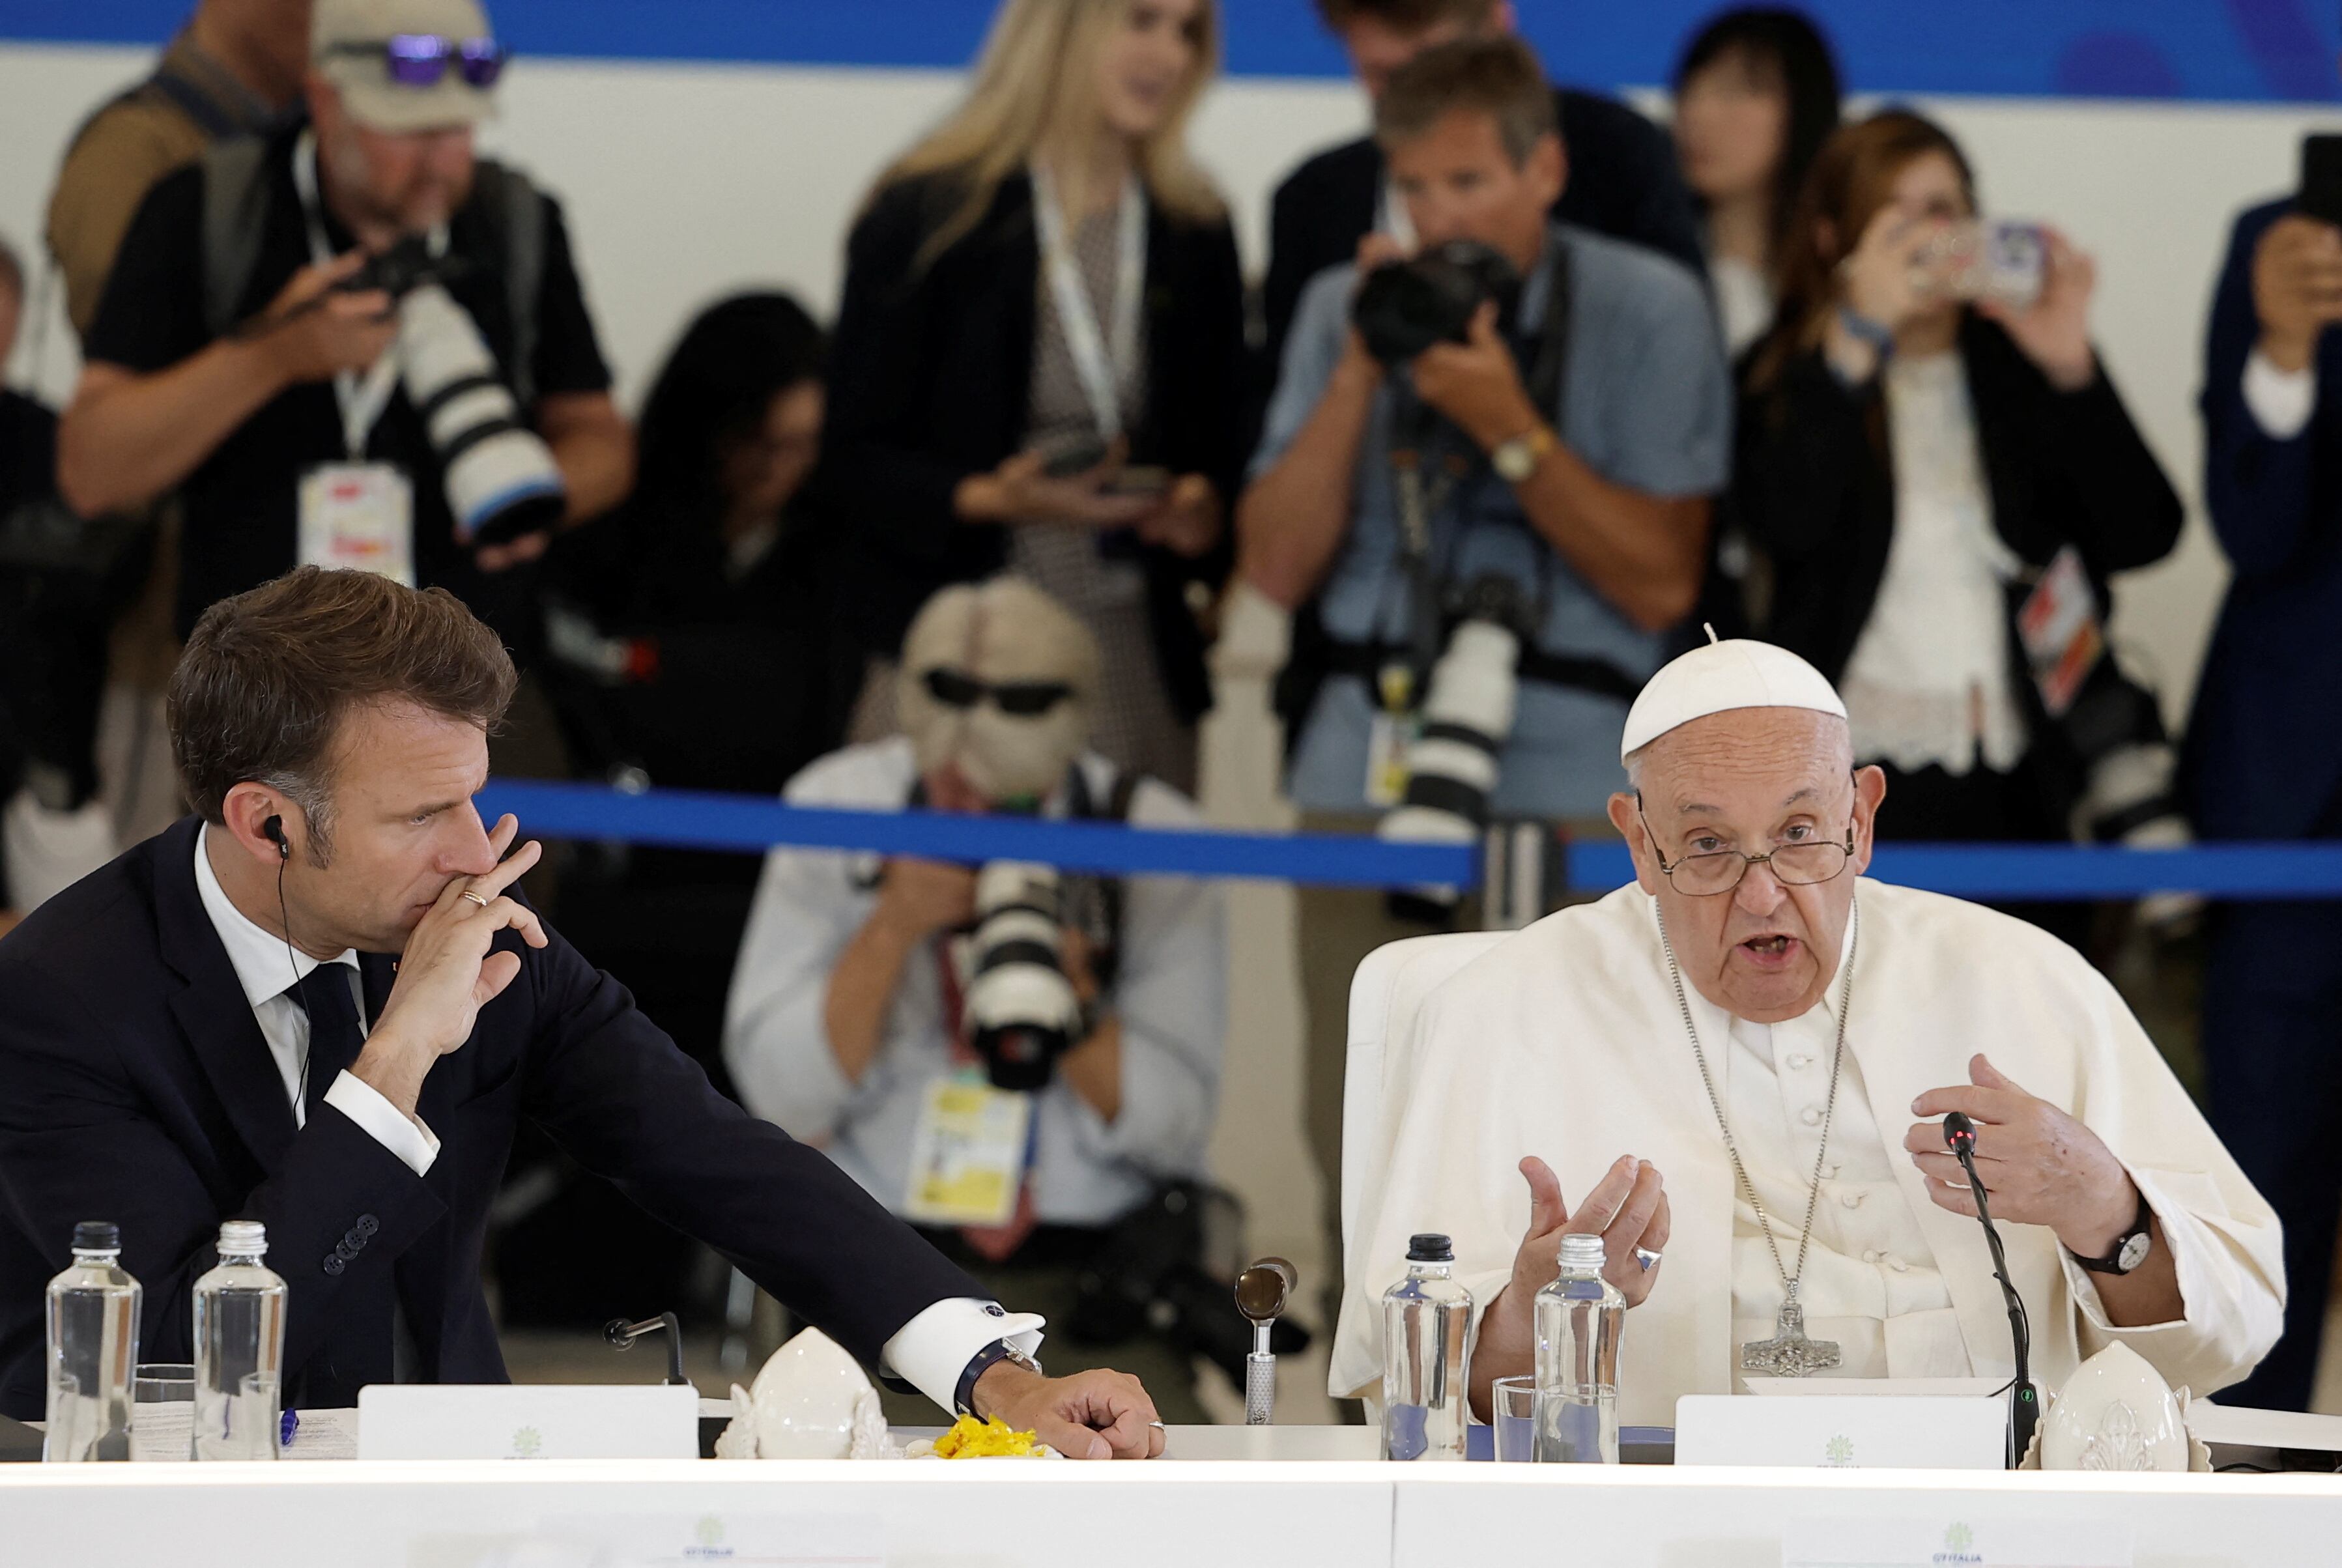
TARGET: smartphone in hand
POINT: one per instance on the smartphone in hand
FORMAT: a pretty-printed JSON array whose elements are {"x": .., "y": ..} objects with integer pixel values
[{"x": 2321, "y": 179}]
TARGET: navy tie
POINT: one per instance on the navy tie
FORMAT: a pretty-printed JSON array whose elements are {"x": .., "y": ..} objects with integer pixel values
[{"x": 334, "y": 1037}]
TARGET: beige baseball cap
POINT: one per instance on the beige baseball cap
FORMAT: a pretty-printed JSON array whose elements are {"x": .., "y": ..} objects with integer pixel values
[{"x": 349, "y": 43}]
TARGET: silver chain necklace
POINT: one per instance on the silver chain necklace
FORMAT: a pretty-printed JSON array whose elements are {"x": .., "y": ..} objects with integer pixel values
[{"x": 1788, "y": 1353}]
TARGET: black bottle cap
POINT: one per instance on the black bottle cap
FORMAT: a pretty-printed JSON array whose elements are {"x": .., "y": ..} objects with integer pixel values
[
  {"x": 97, "y": 1237},
  {"x": 1430, "y": 1248}
]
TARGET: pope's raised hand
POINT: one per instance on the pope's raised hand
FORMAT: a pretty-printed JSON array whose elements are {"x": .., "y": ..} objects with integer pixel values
[
  {"x": 1628, "y": 1208},
  {"x": 2039, "y": 1166}
]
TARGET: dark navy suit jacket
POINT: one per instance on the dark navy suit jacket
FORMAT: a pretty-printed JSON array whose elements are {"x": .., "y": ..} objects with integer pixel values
[
  {"x": 135, "y": 1086},
  {"x": 2264, "y": 756}
]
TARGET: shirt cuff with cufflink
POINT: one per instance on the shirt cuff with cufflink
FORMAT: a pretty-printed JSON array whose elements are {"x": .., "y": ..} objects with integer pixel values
[
  {"x": 934, "y": 1350},
  {"x": 405, "y": 1136},
  {"x": 2280, "y": 401}
]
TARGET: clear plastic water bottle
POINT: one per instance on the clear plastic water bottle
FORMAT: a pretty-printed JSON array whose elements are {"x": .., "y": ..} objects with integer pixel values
[
  {"x": 1579, "y": 1317},
  {"x": 92, "y": 1349},
  {"x": 239, "y": 1349},
  {"x": 1426, "y": 1329}
]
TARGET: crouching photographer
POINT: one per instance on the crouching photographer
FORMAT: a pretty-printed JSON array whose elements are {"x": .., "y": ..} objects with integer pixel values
[
  {"x": 1484, "y": 492},
  {"x": 1021, "y": 1062},
  {"x": 354, "y": 344}
]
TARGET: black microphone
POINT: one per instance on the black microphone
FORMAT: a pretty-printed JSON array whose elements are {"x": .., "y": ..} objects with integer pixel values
[{"x": 2023, "y": 1398}]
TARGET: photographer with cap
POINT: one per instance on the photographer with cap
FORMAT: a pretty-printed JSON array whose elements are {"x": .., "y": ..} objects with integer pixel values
[
  {"x": 1484, "y": 490},
  {"x": 1023, "y": 1065},
  {"x": 354, "y": 344}
]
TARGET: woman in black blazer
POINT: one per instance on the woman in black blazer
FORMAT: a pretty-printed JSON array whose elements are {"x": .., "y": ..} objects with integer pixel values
[
  {"x": 969, "y": 433},
  {"x": 1908, "y": 466}
]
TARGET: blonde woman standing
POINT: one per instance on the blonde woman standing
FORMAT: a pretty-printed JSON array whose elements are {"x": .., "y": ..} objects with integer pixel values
[{"x": 1040, "y": 352}]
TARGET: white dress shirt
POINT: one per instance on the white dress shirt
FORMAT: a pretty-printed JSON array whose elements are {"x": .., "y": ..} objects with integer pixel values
[
  {"x": 268, "y": 967},
  {"x": 2280, "y": 401},
  {"x": 1929, "y": 681},
  {"x": 1565, "y": 1041},
  {"x": 930, "y": 1353}
]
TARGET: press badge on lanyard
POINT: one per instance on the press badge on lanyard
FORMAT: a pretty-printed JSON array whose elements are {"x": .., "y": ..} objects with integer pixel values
[
  {"x": 2058, "y": 626},
  {"x": 967, "y": 1155},
  {"x": 972, "y": 1141},
  {"x": 356, "y": 515}
]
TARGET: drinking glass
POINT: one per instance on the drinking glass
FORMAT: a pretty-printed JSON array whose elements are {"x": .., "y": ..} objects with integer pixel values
[
  {"x": 163, "y": 1411},
  {"x": 1512, "y": 1407}
]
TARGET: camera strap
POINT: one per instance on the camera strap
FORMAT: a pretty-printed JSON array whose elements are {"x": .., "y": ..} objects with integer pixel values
[
  {"x": 1426, "y": 473},
  {"x": 1099, "y": 361},
  {"x": 362, "y": 402}
]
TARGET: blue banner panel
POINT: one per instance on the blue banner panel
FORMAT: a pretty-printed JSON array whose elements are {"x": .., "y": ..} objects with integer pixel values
[{"x": 2243, "y": 51}]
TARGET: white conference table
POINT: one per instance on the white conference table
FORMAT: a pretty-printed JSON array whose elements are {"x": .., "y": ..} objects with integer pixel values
[{"x": 1320, "y": 1499}]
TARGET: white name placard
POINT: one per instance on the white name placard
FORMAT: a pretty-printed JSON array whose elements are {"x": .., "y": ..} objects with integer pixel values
[
  {"x": 1857, "y": 1431},
  {"x": 499, "y": 1421},
  {"x": 1955, "y": 1543}
]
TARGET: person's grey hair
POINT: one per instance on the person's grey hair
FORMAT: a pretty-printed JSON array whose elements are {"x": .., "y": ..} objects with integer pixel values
[{"x": 1633, "y": 762}]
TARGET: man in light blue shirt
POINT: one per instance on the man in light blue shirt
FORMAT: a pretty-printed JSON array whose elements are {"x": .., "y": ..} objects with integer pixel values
[{"x": 1593, "y": 500}]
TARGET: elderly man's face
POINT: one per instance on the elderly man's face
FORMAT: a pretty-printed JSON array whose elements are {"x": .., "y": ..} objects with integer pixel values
[{"x": 1753, "y": 780}]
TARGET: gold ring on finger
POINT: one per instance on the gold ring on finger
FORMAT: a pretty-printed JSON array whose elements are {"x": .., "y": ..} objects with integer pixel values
[{"x": 475, "y": 898}]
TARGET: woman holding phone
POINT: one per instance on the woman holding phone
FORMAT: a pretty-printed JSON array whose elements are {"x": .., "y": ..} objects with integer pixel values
[
  {"x": 1925, "y": 431},
  {"x": 1040, "y": 352}
]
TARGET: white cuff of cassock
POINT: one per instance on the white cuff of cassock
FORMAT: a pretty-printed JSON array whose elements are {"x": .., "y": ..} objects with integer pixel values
[
  {"x": 931, "y": 1351},
  {"x": 2280, "y": 401},
  {"x": 402, "y": 1135},
  {"x": 2083, "y": 1284}
]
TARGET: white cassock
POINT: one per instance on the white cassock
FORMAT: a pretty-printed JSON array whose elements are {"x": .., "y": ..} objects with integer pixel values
[{"x": 1565, "y": 1041}]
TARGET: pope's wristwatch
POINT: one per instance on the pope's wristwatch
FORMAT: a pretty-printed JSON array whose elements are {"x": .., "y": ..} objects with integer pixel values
[
  {"x": 1517, "y": 459},
  {"x": 998, "y": 1350},
  {"x": 2130, "y": 1248}
]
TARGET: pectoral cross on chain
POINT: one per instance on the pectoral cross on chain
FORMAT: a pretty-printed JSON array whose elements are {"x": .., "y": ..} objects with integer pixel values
[{"x": 1789, "y": 1353}]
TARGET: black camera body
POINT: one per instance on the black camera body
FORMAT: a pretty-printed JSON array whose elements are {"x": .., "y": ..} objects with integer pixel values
[
  {"x": 402, "y": 269},
  {"x": 1407, "y": 306}
]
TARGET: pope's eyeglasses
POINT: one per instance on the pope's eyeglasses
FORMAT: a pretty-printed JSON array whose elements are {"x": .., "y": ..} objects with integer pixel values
[{"x": 1715, "y": 872}]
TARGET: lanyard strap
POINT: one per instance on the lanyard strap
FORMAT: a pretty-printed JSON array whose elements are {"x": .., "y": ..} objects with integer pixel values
[
  {"x": 1098, "y": 362},
  {"x": 362, "y": 403}
]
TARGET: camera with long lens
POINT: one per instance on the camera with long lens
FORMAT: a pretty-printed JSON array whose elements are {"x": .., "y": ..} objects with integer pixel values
[
  {"x": 2130, "y": 793},
  {"x": 1405, "y": 307},
  {"x": 1467, "y": 716},
  {"x": 500, "y": 477},
  {"x": 1022, "y": 1012}
]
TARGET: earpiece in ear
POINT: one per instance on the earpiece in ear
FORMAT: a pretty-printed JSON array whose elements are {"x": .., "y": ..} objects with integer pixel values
[{"x": 273, "y": 830}]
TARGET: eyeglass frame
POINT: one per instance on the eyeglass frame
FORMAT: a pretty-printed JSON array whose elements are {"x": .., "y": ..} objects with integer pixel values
[{"x": 1746, "y": 860}]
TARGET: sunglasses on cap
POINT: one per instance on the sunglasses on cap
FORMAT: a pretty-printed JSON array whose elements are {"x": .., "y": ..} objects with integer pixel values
[
  {"x": 421, "y": 59},
  {"x": 1019, "y": 699}
]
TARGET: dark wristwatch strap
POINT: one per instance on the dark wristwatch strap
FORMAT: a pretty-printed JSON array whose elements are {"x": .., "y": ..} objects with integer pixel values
[
  {"x": 2112, "y": 1263},
  {"x": 991, "y": 1356}
]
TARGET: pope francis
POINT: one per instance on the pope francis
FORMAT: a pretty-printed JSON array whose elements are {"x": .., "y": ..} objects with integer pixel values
[{"x": 1739, "y": 1065}]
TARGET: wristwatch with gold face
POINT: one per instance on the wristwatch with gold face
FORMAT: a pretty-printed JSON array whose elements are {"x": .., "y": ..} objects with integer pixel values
[{"x": 1517, "y": 459}]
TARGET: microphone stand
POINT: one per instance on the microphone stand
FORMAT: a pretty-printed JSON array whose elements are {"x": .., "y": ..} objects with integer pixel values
[
  {"x": 2023, "y": 1398},
  {"x": 623, "y": 1334}
]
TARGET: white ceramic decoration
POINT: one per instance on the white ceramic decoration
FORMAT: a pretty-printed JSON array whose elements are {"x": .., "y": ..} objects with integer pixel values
[
  {"x": 2116, "y": 1412},
  {"x": 811, "y": 1401}
]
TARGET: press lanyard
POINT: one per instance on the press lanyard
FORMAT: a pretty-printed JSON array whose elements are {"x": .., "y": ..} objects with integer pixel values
[
  {"x": 1099, "y": 370},
  {"x": 362, "y": 402}
]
